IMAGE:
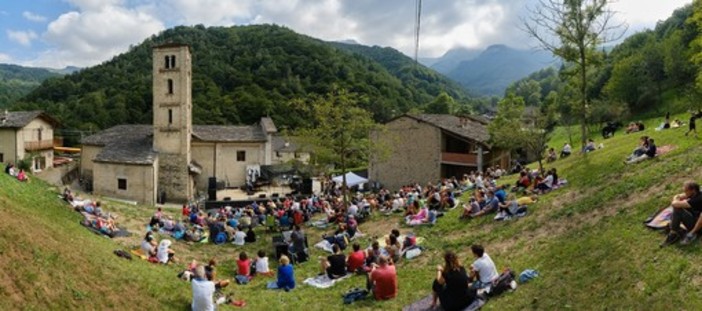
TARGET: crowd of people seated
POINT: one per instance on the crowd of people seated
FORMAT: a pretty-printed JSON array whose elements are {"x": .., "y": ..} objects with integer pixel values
[{"x": 94, "y": 216}]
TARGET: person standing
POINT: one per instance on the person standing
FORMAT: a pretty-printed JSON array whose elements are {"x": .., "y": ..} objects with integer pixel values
[{"x": 693, "y": 127}]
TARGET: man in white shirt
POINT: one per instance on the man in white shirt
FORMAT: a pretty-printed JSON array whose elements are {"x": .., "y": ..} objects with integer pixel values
[
  {"x": 203, "y": 290},
  {"x": 239, "y": 238},
  {"x": 483, "y": 270},
  {"x": 353, "y": 209}
]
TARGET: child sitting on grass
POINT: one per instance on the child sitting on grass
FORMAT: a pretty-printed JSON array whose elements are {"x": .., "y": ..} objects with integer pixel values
[
  {"x": 261, "y": 264},
  {"x": 243, "y": 273}
]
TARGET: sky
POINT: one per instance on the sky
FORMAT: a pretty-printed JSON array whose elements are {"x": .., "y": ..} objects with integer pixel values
[{"x": 59, "y": 33}]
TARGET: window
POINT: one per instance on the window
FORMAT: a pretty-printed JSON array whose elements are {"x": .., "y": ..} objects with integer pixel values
[
  {"x": 2, "y": 157},
  {"x": 39, "y": 134},
  {"x": 241, "y": 156},
  {"x": 122, "y": 183},
  {"x": 170, "y": 61},
  {"x": 170, "y": 86},
  {"x": 297, "y": 155},
  {"x": 170, "y": 116},
  {"x": 277, "y": 154}
]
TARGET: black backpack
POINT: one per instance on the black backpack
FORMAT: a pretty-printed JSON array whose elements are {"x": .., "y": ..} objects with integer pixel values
[{"x": 502, "y": 284}]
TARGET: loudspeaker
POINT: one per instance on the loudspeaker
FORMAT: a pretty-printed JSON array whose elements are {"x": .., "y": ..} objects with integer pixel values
[
  {"x": 306, "y": 186},
  {"x": 212, "y": 183},
  {"x": 212, "y": 194}
]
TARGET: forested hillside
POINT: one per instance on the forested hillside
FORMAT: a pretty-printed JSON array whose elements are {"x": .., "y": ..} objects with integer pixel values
[
  {"x": 239, "y": 74},
  {"x": 17, "y": 81},
  {"x": 637, "y": 76}
]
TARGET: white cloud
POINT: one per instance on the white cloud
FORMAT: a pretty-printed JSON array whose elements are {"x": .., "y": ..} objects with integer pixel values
[
  {"x": 22, "y": 37},
  {"x": 4, "y": 58},
  {"x": 94, "y": 5},
  {"x": 95, "y": 34},
  {"x": 212, "y": 12},
  {"x": 638, "y": 13},
  {"x": 33, "y": 17}
]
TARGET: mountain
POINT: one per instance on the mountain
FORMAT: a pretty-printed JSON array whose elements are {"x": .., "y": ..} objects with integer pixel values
[
  {"x": 17, "y": 81},
  {"x": 405, "y": 69},
  {"x": 65, "y": 71},
  {"x": 451, "y": 59},
  {"x": 240, "y": 73},
  {"x": 495, "y": 68}
]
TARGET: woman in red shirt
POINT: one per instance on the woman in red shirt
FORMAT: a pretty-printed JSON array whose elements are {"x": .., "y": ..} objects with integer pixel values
[{"x": 356, "y": 259}]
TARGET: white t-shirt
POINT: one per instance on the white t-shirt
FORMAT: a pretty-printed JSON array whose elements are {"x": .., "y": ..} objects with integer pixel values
[
  {"x": 396, "y": 204},
  {"x": 353, "y": 209},
  {"x": 486, "y": 268},
  {"x": 239, "y": 238},
  {"x": 162, "y": 254},
  {"x": 262, "y": 265},
  {"x": 566, "y": 148},
  {"x": 202, "y": 295},
  {"x": 548, "y": 181}
]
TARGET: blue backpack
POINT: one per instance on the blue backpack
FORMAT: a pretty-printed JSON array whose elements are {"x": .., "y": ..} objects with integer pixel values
[{"x": 221, "y": 238}]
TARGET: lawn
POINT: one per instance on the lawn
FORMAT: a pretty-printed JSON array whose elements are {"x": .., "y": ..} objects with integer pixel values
[{"x": 586, "y": 240}]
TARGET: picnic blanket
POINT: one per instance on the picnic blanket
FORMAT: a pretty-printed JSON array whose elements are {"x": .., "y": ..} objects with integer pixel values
[
  {"x": 665, "y": 149},
  {"x": 325, "y": 246},
  {"x": 323, "y": 281},
  {"x": 661, "y": 220},
  {"x": 424, "y": 304},
  {"x": 119, "y": 233},
  {"x": 320, "y": 224}
]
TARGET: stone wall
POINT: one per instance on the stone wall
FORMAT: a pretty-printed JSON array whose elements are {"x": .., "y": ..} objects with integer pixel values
[
  {"x": 410, "y": 152},
  {"x": 141, "y": 181},
  {"x": 174, "y": 178}
]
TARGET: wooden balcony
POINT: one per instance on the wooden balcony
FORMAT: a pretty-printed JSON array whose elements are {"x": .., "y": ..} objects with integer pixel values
[
  {"x": 38, "y": 145},
  {"x": 469, "y": 159}
]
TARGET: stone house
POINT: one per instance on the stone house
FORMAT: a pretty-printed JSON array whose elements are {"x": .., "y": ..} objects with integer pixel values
[
  {"x": 27, "y": 134},
  {"x": 427, "y": 147},
  {"x": 285, "y": 150},
  {"x": 172, "y": 159}
]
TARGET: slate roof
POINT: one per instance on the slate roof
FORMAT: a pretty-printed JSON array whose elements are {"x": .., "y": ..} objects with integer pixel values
[
  {"x": 268, "y": 125},
  {"x": 128, "y": 144},
  {"x": 229, "y": 133},
  {"x": 133, "y": 144},
  {"x": 279, "y": 144},
  {"x": 473, "y": 128},
  {"x": 19, "y": 119}
]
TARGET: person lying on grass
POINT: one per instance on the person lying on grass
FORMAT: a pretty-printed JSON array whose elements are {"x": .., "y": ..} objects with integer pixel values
[
  {"x": 687, "y": 208},
  {"x": 509, "y": 209},
  {"x": 450, "y": 287},
  {"x": 382, "y": 279}
]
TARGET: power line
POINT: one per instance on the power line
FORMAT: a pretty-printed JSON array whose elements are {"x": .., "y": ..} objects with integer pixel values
[{"x": 417, "y": 27}]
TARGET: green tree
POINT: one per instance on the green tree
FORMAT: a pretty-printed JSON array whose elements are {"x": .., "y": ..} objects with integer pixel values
[
  {"x": 696, "y": 44},
  {"x": 573, "y": 30},
  {"x": 442, "y": 104},
  {"x": 518, "y": 127},
  {"x": 339, "y": 134}
]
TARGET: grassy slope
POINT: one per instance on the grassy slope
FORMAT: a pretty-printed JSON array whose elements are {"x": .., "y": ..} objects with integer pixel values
[{"x": 586, "y": 240}]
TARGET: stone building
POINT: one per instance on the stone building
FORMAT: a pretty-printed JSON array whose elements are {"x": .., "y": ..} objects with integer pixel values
[
  {"x": 427, "y": 147},
  {"x": 27, "y": 133},
  {"x": 286, "y": 150},
  {"x": 172, "y": 158}
]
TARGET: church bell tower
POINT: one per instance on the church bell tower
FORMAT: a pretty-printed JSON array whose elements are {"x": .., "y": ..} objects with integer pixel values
[{"x": 172, "y": 120}]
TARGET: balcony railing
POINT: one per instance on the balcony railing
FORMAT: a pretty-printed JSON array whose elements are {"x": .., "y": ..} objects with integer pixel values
[
  {"x": 459, "y": 158},
  {"x": 39, "y": 145}
]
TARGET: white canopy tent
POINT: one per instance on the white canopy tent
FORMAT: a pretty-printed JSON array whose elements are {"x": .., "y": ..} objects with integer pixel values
[{"x": 351, "y": 179}]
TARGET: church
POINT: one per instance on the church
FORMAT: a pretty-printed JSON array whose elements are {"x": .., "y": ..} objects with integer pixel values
[{"x": 172, "y": 159}]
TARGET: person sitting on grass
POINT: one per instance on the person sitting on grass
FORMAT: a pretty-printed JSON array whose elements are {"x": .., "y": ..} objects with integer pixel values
[
  {"x": 393, "y": 248},
  {"x": 483, "y": 271},
  {"x": 490, "y": 206},
  {"x": 509, "y": 209},
  {"x": 421, "y": 217},
  {"x": 286, "y": 274},
  {"x": 148, "y": 245},
  {"x": 566, "y": 151},
  {"x": 687, "y": 208},
  {"x": 203, "y": 291},
  {"x": 373, "y": 254},
  {"x": 649, "y": 153},
  {"x": 356, "y": 259},
  {"x": 382, "y": 279},
  {"x": 473, "y": 207},
  {"x": 211, "y": 273},
  {"x": 590, "y": 146},
  {"x": 239, "y": 237},
  {"x": 261, "y": 264},
  {"x": 551, "y": 155},
  {"x": 546, "y": 184},
  {"x": 334, "y": 266},
  {"x": 243, "y": 272},
  {"x": 22, "y": 176},
  {"x": 450, "y": 286},
  {"x": 164, "y": 254}
]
